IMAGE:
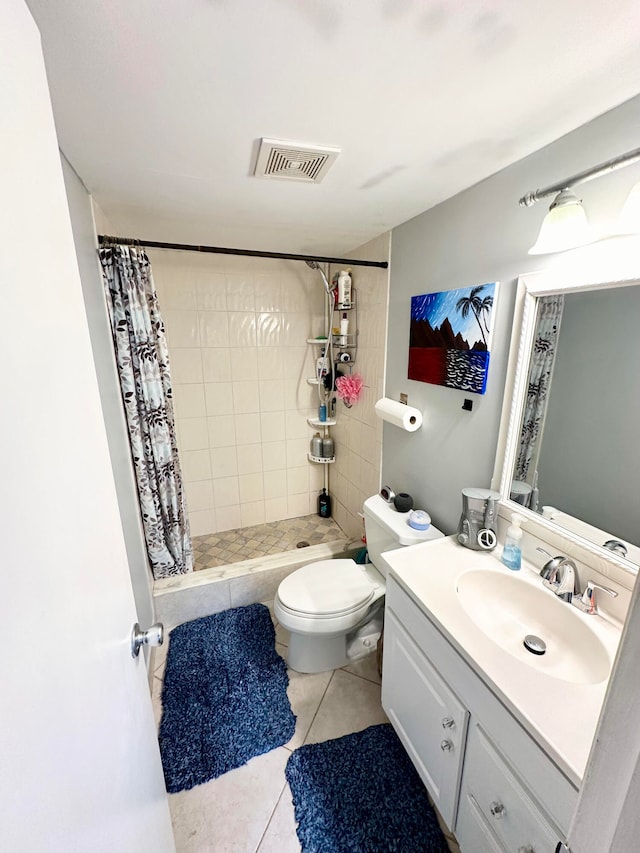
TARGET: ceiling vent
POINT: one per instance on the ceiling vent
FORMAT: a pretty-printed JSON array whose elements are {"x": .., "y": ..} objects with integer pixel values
[{"x": 294, "y": 161}]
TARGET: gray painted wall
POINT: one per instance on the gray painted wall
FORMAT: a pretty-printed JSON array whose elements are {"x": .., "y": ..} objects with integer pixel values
[
  {"x": 478, "y": 236},
  {"x": 589, "y": 464},
  {"x": 84, "y": 236}
]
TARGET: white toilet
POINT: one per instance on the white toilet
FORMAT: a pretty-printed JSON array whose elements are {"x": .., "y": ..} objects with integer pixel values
[{"x": 333, "y": 608}]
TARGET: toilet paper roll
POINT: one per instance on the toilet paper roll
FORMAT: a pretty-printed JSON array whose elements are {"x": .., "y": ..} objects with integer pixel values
[{"x": 398, "y": 414}]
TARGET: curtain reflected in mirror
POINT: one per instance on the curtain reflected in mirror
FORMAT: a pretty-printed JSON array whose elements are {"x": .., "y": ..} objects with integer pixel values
[{"x": 578, "y": 461}]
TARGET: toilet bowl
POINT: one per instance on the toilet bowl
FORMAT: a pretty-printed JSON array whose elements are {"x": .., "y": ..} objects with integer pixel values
[{"x": 333, "y": 609}]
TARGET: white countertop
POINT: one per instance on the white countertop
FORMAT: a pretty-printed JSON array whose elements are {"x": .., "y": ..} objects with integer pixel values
[{"x": 560, "y": 715}]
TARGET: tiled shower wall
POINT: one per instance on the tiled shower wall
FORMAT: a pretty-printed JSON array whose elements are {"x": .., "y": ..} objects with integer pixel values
[
  {"x": 237, "y": 330},
  {"x": 355, "y": 476}
]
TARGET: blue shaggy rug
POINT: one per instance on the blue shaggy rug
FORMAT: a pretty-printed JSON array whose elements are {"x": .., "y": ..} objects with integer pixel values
[
  {"x": 361, "y": 794},
  {"x": 224, "y": 698}
]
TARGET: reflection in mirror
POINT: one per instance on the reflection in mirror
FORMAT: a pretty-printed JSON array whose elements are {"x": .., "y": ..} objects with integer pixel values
[{"x": 577, "y": 460}]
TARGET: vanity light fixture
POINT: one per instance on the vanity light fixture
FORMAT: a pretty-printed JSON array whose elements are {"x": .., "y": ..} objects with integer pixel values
[
  {"x": 566, "y": 226},
  {"x": 629, "y": 222}
]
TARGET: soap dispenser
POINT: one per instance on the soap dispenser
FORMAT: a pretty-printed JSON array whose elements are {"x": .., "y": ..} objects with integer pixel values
[{"x": 511, "y": 553}]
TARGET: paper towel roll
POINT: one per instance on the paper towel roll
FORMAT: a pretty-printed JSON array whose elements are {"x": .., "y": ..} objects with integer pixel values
[{"x": 398, "y": 414}]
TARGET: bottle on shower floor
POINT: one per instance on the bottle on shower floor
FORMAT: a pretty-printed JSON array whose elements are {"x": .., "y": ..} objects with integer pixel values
[{"x": 324, "y": 504}]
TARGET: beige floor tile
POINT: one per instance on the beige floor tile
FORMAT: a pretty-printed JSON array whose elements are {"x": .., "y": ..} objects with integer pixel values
[
  {"x": 282, "y": 635},
  {"x": 305, "y": 694},
  {"x": 280, "y": 836},
  {"x": 229, "y": 814},
  {"x": 365, "y": 668},
  {"x": 160, "y": 659},
  {"x": 350, "y": 704},
  {"x": 269, "y": 604},
  {"x": 156, "y": 699}
]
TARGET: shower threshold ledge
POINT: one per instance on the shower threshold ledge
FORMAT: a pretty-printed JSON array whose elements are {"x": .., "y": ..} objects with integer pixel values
[{"x": 292, "y": 559}]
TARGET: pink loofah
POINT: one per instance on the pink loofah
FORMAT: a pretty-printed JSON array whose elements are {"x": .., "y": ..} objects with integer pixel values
[{"x": 349, "y": 388}]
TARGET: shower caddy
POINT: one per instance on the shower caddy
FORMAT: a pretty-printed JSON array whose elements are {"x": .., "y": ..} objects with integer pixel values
[{"x": 341, "y": 344}]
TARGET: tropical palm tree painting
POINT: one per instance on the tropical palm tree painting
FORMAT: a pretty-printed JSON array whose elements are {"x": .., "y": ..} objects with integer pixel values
[{"x": 450, "y": 337}]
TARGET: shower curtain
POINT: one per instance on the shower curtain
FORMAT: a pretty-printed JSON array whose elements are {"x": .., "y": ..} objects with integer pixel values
[
  {"x": 143, "y": 366},
  {"x": 538, "y": 386}
]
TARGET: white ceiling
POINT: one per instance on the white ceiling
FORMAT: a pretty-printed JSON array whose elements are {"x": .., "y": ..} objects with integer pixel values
[{"x": 160, "y": 105}]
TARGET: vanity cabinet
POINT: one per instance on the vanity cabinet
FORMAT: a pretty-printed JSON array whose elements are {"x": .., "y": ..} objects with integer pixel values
[
  {"x": 428, "y": 717},
  {"x": 494, "y": 786}
]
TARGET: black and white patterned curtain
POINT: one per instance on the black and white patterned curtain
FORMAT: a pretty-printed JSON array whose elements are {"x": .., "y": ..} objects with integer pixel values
[
  {"x": 143, "y": 366},
  {"x": 539, "y": 384}
]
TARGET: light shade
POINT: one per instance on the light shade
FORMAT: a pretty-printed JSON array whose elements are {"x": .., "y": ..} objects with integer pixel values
[
  {"x": 629, "y": 222},
  {"x": 564, "y": 227}
]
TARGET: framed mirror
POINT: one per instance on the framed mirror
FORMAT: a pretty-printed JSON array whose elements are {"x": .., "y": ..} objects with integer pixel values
[{"x": 569, "y": 448}]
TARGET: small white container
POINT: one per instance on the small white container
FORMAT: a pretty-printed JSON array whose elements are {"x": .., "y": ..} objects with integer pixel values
[{"x": 344, "y": 329}]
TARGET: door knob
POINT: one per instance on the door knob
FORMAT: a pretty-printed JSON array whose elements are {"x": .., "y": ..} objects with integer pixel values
[
  {"x": 153, "y": 636},
  {"x": 446, "y": 746},
  {"x": 448, "y": 722}
]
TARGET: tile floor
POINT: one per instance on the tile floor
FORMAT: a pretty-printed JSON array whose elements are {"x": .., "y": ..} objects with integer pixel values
[
  {"x": 232, "y": 546},
  {"x": 249, "y": 810}
]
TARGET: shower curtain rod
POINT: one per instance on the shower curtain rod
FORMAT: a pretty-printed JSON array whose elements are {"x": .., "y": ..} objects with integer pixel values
[{"x": 217, "y": 250}]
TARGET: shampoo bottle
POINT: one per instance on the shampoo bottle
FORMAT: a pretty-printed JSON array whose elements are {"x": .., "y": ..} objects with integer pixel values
[
  {"x": 344, "y": 289},
  {"x": 511, "y": 553}
]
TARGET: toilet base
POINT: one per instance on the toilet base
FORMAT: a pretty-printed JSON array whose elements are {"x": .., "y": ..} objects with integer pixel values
[
  {"x": 317, "y": 653},
  {"x": 311, "y": 653}
]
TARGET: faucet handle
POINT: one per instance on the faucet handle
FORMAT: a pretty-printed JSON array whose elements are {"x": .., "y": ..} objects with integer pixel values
[{"x": 589, "y": 596}]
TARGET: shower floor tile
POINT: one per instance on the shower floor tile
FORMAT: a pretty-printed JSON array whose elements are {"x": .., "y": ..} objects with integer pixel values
[{"x": 246, "y": 543}]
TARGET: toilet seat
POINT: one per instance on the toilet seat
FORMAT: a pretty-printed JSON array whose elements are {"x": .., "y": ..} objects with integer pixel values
[{"x": 326, "y": 589}]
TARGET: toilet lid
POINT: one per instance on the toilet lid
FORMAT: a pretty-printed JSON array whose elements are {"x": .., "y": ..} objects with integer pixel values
[{"x": 326, "y": 588}]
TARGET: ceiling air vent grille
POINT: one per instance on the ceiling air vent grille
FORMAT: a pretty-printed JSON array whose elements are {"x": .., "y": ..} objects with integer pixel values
[{"x": 294, "y": 161}]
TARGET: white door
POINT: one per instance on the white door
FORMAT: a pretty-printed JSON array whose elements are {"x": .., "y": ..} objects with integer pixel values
[{"x": 79, "y": 762}]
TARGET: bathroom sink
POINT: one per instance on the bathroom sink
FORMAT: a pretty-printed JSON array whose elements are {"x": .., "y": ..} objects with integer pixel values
[{"x": 508, "y": 608}]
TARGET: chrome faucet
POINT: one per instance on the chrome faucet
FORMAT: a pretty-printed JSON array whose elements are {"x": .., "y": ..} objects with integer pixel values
[
  {"x": 616, "y": 546},
  {"x": 559, "y": 575}
]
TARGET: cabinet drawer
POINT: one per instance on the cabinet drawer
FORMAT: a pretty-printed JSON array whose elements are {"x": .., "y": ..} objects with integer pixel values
[
  {"x": 502, "y": 799},
  {"x": 429, "y": 719}
]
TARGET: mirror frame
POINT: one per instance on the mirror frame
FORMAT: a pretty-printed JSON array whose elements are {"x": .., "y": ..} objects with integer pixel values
[{"x": 530, "y": 287}]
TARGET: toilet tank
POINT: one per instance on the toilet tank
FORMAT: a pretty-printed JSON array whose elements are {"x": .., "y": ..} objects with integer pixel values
[{"x": 387, "y": 529}]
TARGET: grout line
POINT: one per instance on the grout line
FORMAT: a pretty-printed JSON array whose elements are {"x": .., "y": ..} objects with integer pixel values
[
  {"x": 363, "y": 677},
  {"x": 275, "y": 808},
  {"x": 306, "y": 734}
]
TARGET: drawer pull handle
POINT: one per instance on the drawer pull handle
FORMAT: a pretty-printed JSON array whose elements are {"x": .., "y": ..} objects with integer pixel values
[
  {"x": 448, "y": 722},
  {"x": 497, "y": 810},
  {"x": 446, "y": 746}
]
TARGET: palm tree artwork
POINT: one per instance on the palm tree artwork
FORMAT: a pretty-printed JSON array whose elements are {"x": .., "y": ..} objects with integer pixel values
[
  {"x": 450, "y": 337},
  {"x": 479, "y": 307}
]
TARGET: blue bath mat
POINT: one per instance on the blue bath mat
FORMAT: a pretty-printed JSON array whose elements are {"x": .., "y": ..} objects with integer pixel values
[
  {"x": 224, "y": 697},
  {"x": 361, "y": 794}
]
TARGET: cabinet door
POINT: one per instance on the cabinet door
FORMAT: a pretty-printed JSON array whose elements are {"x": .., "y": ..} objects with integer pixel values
[
  {"x": 490, "y": 786},
  {"x": 472, "y": 831},
  {"x": 428, "y": 718}
]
